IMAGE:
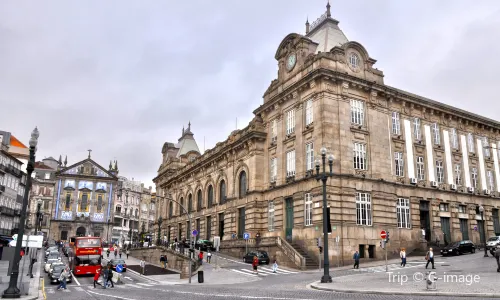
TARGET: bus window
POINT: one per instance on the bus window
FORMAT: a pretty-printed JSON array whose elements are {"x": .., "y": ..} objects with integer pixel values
[
  {"x": 82, "y": 243},
  {"x": 88, "y": 260}
]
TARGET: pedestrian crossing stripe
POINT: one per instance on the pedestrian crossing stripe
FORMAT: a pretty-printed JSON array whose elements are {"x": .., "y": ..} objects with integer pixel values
[
  {"x": 262, "y": 272},
  {"x": 390, "y": 267}
]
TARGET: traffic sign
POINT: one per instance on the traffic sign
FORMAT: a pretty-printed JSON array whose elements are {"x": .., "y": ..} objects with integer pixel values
[
  {"x": 246, "y": 235},
  {"x": 195, "y": 232},
  {"x": 383, "y": 234},
  {"x": 119, "y": 268}
]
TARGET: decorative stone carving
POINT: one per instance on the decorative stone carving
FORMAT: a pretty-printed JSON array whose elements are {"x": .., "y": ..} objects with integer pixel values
[
  {"x": 295, "y": 94},
  {"x": 312, "y": 84}
]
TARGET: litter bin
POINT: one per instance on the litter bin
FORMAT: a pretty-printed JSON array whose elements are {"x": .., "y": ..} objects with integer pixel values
[{"x": 200, "y": 276}]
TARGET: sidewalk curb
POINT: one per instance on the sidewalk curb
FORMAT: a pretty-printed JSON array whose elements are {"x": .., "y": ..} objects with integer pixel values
[{"x": 430, "y": 293}]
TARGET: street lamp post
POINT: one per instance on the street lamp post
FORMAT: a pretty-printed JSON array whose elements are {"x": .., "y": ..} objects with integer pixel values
[
  {"x": 38, "y": 220},
  {"x": 12, "y": 291},
  {"x": 481, "y": 210},
  {"x": 158, "y": 240},
  {"x": 107, "y": 233},
  {"x": 323, "y": 176}
]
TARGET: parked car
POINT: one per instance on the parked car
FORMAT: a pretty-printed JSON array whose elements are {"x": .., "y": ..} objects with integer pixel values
[
  {"x": 204, "y": 245},
  {"x": 115, "y": 262},
  {"x": 261, "y": 255},
  {"x": 458, "y": 248},
  {"x": 49, "y": 262},
  {"x": 492, "y": 243},
  {"x": 55, "y": 273},
  {"x": 51, "y": 249}
]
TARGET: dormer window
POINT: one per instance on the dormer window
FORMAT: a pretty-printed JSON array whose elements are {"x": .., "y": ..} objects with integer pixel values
[{"x": 354, "y": 60}]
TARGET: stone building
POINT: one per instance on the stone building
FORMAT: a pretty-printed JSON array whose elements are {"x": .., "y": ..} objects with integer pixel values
[
  {"x": 403, "y": 163},
  {"x": 126, "y": 211},
  {"x": 42, "y": 188},
  {"x": 12, "y": 185},
  {"x": 147, "y": 212},
  {"x": 84, "y": 200}
]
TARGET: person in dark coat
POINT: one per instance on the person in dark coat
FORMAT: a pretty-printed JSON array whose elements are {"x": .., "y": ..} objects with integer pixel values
[
  {"x": 497, "y": 256},
  {"x": 356, "y": 259}
]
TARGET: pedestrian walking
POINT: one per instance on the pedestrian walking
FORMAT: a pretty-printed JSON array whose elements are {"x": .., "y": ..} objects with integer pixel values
[
  {"x": 255, "y": 264},
  {"x": 200, "y": 257},
  {"x": 96, "y": 277},
  {"x": 128, "y": 253},
  {"x": 63, "y": 278},
  {"x": 497, "y": 257},
  {"x": 105, "y": 273},
  {"x": 162, "y": 261},
  {"x": 120, "y": 253},
  {"x": 143, "y": 266},
  {"x": 356, "y": 259},
  {"x": 430, "y": 258},
  {"x": 209, "y": 256},
  {"x": 107, "y": 253},
  {"x": 275, "y": 265},
  {"x": 116, "y": 252},
  {"x": 110, "y": 276},
  {"x": 402, "y": 254}
]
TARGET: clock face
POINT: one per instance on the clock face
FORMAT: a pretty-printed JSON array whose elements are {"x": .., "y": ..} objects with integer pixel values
[{"x": 292, "y": 59}]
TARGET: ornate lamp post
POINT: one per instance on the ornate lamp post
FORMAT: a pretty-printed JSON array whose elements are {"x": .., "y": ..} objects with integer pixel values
[
  {"x": 38, "y": 223},
  {"x": 323, "y": 176},
  {"x": 481, "y": 210},
  {"x": 158, "y": 239},
  {"x": 12, "y": 291},
  {"x": 107, "y": 233}
]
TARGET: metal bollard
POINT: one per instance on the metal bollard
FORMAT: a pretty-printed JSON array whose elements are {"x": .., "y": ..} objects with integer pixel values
[{"x": 431, "y": 281}]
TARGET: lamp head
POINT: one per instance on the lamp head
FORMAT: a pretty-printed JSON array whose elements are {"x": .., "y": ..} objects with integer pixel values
[
  {"x": 323, "y": 151},
  {"x": 34, "y": 137},
  {"x": 330, "y": 158},
  {"x": 481, "y": 208},
  {"x": 317, "y": 163}
]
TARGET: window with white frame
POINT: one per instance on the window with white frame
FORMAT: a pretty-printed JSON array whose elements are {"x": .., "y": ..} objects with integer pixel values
[
  {"x": 308, "y": 209},
  {"x": 439, "y": 171},
  {"x": 470, "y": 142},
  {"x": 273, "y": 169},
  {"x": 435, "y": 134},
  {"x": 363, "y": 209},
  {"x": 274, "y": 130},
  {"x": 420, "y": 168},
  {"x": 491, "y": 183},
  {"x": 474, "y": 177},
  {"x": 359, "y": 156},
  {"x": 454, "y": 138},
  {"x": 396, "y": 125},
  {"x": 309, "y": 112},
  {"x": 399, "y": 164},
  {"x": 309, "y": 156},
  {"x": 290, "y": 121},
  {"x": 462, "y": 209},
  {"x": 416, "y": 129},
  {"x": 47, "y": 175},
  {"x": 270, "y": 215},
  {"x": 403, "y": 213},
  {"x": 357, "y": 112},
  {"x": 458, "y": 174},
  {"x": 486, "y": 148},
  {"x": 290, "y": 163}
]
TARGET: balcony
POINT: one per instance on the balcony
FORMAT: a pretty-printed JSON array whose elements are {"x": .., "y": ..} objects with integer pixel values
[
  {"x": 3, "y": 168},
  {"x": 6, "y": 211},
  {"x": 17, "y": 212}
]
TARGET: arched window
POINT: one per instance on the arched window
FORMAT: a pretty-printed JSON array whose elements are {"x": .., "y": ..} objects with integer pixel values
[
  {"x": 170, "y": 209},
  {"x": 180, "y": 208},
  {"x": 68, "y": 202},
  {"x": 210, "y": 196},
  {"x": 243, "y": 184},
  {"x": 99, "y": 203},
  {"x": 200, "y": 200},
  {"x": 222, "y": 192},
  {"x": 190, "y": 203}
]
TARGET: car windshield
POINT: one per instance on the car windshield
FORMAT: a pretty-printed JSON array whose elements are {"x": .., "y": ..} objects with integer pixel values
[
  {"x": 58, "y": 268},
  {"x": 262, "y": 254},
  {"x": 455, "y": 244},
  {"x": 492, "y": 239},
  {"x": 52, "y": 260},
  {"x": 117, "y": 261}
]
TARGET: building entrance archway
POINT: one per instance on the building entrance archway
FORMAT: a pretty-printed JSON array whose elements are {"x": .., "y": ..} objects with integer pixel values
[{"x": 80, "y": 231}]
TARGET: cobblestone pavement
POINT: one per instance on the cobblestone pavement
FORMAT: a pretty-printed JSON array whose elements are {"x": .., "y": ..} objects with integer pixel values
[{"x": 462, "y": 275}]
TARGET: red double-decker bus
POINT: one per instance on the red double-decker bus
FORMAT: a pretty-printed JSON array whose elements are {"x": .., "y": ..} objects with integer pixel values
[{"x": 85, "y": 255}]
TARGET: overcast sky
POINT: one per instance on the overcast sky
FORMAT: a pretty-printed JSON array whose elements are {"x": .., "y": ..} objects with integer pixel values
[{"x": 122, "y": 77}]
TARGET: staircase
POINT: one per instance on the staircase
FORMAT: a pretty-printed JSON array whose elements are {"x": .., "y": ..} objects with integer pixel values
[{"x": 311, "y": 261}]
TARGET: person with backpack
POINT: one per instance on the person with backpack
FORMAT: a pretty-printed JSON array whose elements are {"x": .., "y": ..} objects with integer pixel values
[
  {"x": 110, "y": 277},
  {"x": 105, "y": 273}
]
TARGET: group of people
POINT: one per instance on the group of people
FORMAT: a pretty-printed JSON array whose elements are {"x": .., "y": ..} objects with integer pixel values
[
  {"x": 255, "y": 265},
  {"x": 107, "y": 275}
]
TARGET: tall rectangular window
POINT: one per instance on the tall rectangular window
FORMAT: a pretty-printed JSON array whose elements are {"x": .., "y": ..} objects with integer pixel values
[
  {"x": 486, "y": 147},
  {"x": 309, "y": 156},
  {"x": 359, "y": 155},
  {"x": 399, "y": 164},
  {"x": 474, "y": 177},
  {"x": 290, "y": 121},
  {"x": 309, "y": 112},
  {"x": 454, "y": 138},
  {"x": 436, "y": 134},
  {"x": 416, "y": 129},
  {"x": 420, "y": 168},
  {"x": 308, "y": 209},
  {"x": 470, "y": 142},
  {"x": 274, "y": 130},
  {"x": 270, "y": 216},
  {"x": 396, "y": 125},
  {"x": 403, "y": 213},
  {"x": 273, "y": 169},
  {"x": 290, "y": 163},
  {"x": 363, "y": 209},
  {"x": 458, "y": 175},
  {"x": 357, "y": 112},
  {"x": 439, "y": 171},
  {"x": 490, "y": 178}
]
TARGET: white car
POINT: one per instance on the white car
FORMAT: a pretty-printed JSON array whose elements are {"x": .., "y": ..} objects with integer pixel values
[
  {"x": 49, "y": 262},
  {"x": 492, "y": 242}
]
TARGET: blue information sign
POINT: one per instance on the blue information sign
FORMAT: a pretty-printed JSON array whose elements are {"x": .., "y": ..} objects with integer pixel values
[
  {"x": 246, "y": 235},
  {"x": 195, "y": 232},
  {"x": 119, "y": 268}
]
